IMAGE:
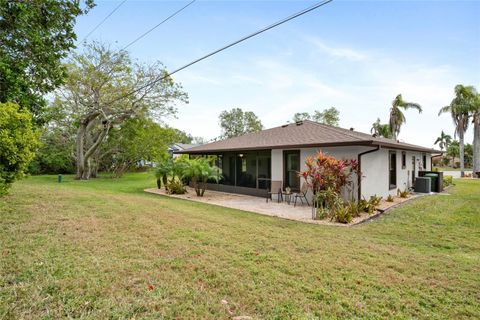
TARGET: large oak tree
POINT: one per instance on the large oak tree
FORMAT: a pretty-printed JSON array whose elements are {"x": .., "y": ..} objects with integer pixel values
[{"x": 105, "y": 88}]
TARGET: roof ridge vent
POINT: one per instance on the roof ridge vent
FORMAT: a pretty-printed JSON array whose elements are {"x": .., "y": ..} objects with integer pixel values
[
  {"x": 299, "y": 123},
  {"x": 285, "y": 125}
]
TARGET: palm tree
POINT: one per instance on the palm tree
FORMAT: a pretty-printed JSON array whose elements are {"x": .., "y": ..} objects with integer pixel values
[
  {"x": 163, "y": 170},
  {"x": 381, "y": 129},
  {"x": 443, "y": 140},
  {"x": 460, "y": 109},
  {"x": 200, "y": 171},
  {"x": 397, "y": 118}
]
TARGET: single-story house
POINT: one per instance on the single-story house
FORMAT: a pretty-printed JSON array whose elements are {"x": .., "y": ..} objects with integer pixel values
[
  {"x": 249, "y": 163},
  {"x": 177, "y": 148}
]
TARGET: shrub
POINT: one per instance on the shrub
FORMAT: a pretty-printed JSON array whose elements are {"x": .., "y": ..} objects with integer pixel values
[
  {"x": 329, "y": 201},
  {"x": 54, "y": 155},
  {"x": 200, "y": 171},
  {"x": 342, "y": 214},
  {"x": 322, "y": 213},
  {"x": 176, "y": 187},
  {"x": 354, "y": 208},
  {"x": 345, "y": 214},
  {"x": 18, "y": 143},
  {"x": 390, "y": 198},
  {"x": 447, "y": 181},
  {"x": 333, "y": 207},
  {"x": 375, "y": 200},
  {"x": 327, "y": 173},
  {"x": 366, "y": 206},
  {"x": 403, "y": 194},
  {"x": 445, "y": 161}
]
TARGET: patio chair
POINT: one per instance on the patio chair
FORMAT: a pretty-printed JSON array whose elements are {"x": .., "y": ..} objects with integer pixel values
[
  {"x": 301, "y": 195},
  {"x": 275, "y": 188}
]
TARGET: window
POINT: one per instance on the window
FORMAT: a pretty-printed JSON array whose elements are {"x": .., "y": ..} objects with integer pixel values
[
  {"x": 392, "y": 177},
  {"x": 424, "y": 160},
  {"x": 404, "y": 160}
]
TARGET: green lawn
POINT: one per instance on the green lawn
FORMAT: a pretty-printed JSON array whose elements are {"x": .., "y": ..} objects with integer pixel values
[
  {"x": 91, "y": 249},
  {"x": 446, "y": 169}
]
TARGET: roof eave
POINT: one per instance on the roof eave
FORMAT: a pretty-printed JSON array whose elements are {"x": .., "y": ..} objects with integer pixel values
[
  {"x": 290, "y": 146},
  {"x": 314, "y": 145},
  {"x": 404, "y": 147}
]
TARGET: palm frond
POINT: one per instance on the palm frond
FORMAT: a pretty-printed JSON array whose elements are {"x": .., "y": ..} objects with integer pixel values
[
  {"x": 445, "y": 109},
  {"x": 412, "y": 105}
]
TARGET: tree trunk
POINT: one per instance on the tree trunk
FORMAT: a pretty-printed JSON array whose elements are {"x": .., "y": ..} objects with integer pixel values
[
  {"x": 462, "y": 153},
  {"x": 94, "y": 164},
  {"x": 80, "y": 152},
  {"x": 84, "y": 157},
  {"x": 476, "y": 144},
  {"x": 165, "y": 182}
]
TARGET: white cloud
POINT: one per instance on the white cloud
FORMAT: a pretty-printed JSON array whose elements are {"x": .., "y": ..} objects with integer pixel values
[
  {"x": 336, "y": 52},
  {"x": 245, "y": 78},
  {"x": 277, "y": 87}
]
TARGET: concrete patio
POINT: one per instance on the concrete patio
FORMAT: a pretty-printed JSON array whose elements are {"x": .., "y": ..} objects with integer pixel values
[
  {"x": 248, "y": 203},
  {"x": 282, "y": 210}
]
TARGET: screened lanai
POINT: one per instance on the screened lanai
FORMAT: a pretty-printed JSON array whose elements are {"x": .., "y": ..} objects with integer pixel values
[{"x": 246, "y": 172}]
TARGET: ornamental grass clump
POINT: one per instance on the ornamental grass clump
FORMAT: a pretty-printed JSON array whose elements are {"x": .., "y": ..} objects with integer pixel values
[{"x": 403, "y": 194}]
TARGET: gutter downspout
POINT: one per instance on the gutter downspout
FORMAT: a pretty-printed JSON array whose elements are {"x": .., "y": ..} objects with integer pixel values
[{"x": 360, "y": 169}]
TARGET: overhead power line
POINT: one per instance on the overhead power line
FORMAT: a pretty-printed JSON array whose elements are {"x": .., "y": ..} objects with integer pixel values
[
  {"x": 276, "y": 24},
  {"x": 160, "y": 23},
  {"x": 104, "y": 19}
]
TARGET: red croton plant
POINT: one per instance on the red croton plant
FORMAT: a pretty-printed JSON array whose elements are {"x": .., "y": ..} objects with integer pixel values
[{"x": 324, "y": 172}]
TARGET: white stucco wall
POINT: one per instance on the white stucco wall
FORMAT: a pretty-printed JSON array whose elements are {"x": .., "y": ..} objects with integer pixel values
[
  {"x": 375, "y": 167},
  {"x": 375, "y": 173},
  {"x": 341, "y": 153},
  {"x": 277, "y": 165}
]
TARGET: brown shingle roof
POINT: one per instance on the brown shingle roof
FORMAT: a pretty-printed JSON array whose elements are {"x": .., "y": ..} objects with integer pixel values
[{"x": 301, "y": 135}]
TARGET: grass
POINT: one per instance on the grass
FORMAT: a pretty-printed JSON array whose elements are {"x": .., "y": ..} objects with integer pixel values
[
  {"x": 104, "y": 249},
  {"x": 451, "y": 169}
]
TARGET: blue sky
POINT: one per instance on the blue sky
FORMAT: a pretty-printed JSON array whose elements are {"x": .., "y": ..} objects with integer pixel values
[{"x": 354, "y": 55}]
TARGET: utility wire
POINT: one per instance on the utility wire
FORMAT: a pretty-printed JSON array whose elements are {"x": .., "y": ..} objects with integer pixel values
[
  {"x": 276, "y": 24},
  {"x": 159, "y": 24},
  {"x": 104, "y": 19}
]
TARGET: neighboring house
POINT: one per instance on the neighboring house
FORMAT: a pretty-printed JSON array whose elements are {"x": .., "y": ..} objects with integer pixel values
[
  {"x": 250, "y": 162},
  {"x": 177, "y": 148}
]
